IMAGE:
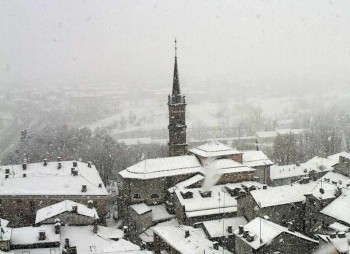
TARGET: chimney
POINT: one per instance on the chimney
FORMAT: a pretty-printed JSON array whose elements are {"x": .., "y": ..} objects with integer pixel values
[
  {"x": 333, "y": 235},
  {"x": 240, "y": 229},
  {"x": 95, "y": 229},
  {"x": 45, "y": 162},
  {"x": 74, "y": 171},
  {"x": 83, "y": 188},
  {"x": 245, "y": 233},
  {"x": 57, "y": 228},
  {"x": 265, "y": 187},
  {"x": 66, "y": 243},
  {"x": 89, "y": 164},
  {"x": 75, "y": 164},
  {"x": 24, "y": 166},
  {"x": 216, "y": 245},
  {"x": 229, "y": 229},
  {"x": 42, "y": 235},
  {"x": 7, "y": 171},
  {"x": 24, "y": 175},
  {"x": 291, "y": 226},
  {"x": 90, "y": 204},
  {"x": 59, "y": 165},
  {"x": 187, "y": 233},
  {"x": 125, "y": 230},
  {"x": 250, "y": 237},
  {"x": 6, "y": 176},
  {"x": 74, "y": 209},
  {"x": 143, "y": 245},
  {"x": 100, "y": 185},
  {"x": 58, "y": 158}
]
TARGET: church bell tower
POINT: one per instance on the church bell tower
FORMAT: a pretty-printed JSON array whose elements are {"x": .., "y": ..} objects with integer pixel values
[{"x": 177, "y": 116}]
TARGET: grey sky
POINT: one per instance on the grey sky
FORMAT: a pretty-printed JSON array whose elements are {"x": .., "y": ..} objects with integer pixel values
[{"x": 131, "y": 42}]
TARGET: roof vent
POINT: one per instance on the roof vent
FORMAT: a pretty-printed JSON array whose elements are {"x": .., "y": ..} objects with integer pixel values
[
  {"x": 83, "y": 188},
  {"x": 24, "y": 175},
  {"x": 100, "y": 185},
  {"x": 74, "y": 209},
  {"x": 333, "y": 235},
  {"x": 74, "y": 171},
  {"x": 42, "y": 235},
  {"x": 6, "y": 176},
  {"x": 90, "y": 204},
  {"x": 66, "y": 243},
  {"x": 45, "y": 162},
  {"x": 216, "y": 245},
  {"x": 186, "y": 194},
  {"x": 245, "y": 233},
  {"x": 205, "y": 194},
  {"x": 187, "y": 233},
  {"x": 250, "y": 237},
  {"x": 75, "y": 164},
  {"x": 341, "y": 234}
]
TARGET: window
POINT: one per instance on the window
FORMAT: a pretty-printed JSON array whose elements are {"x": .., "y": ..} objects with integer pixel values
[
  {"x": 137, "y": 196},
  {"x": 154, "y": 195}
]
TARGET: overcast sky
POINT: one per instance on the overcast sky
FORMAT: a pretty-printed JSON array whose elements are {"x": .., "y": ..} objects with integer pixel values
[{"x": 132, "y": 42}]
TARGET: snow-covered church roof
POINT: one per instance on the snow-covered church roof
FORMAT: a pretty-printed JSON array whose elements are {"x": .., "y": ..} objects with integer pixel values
[
  {"x": 162, "y": 167},
  {"x": 214, "y": 149},
  {"x": 38, "y": 179}
]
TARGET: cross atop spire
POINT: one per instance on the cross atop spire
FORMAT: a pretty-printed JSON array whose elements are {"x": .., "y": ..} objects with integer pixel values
[
  {"x": 175, "y": 48},
  {"x": 176, "y": 82}
]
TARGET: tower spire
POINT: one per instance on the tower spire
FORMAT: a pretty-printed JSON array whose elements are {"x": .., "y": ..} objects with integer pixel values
[{"x": 176, "y": 82}]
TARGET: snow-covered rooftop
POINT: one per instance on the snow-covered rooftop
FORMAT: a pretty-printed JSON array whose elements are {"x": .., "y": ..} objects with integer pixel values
[
  {"x": 64, "y": 206},
  {"x": 317, "y": 164},
  {"x": 339, "y": 227},
  {"x": 254, "y": 158},
  {"x": 49, "y": 180},
  {"x": 163, "y": 167},
  {"x": 5, "y": 232},
  {"x": 341, "y": 244},
  {"x": 141, "y": 208},
  {"x": 268, "y": 231},
  {"x": 339, "y": 209},
  {"x": 30, "y": 235},
  {"x": 286, "y": 194},
  {"x": 86, "y": 242},
  {"x": 196, "y": 242},
  {"x": 213, "y": 149},
  {"x": 335, "y": 157},
  {"x": 219, "y": 228},
  {"x": 218, "y": 202}
]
